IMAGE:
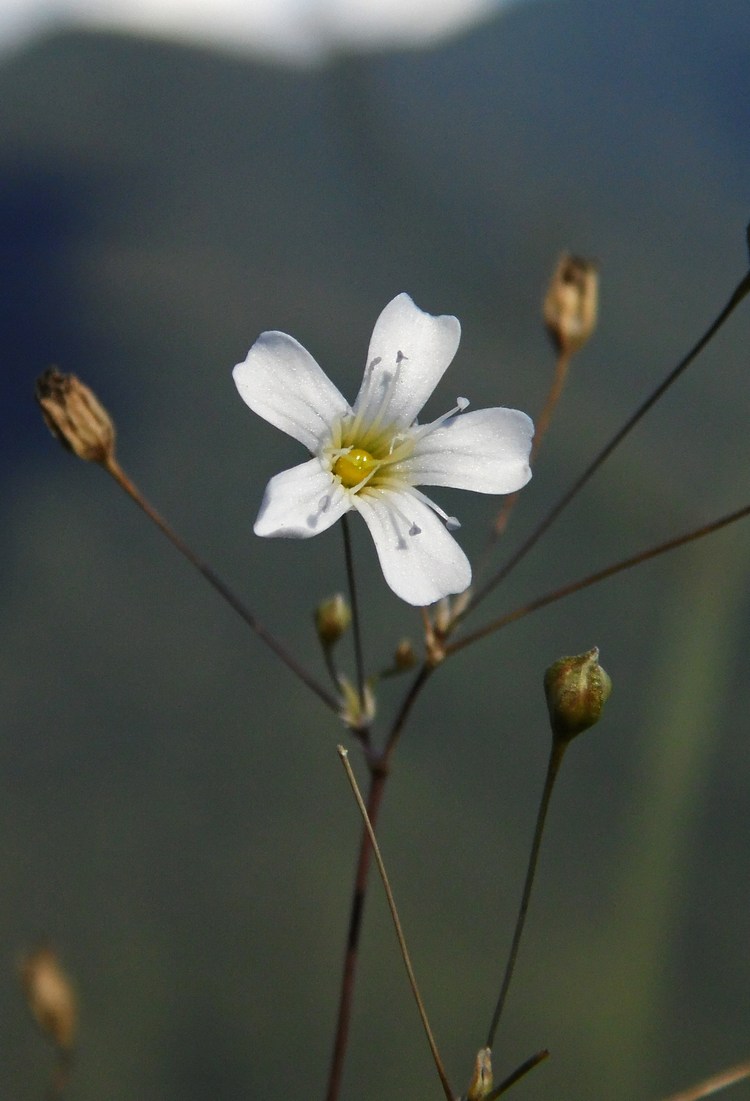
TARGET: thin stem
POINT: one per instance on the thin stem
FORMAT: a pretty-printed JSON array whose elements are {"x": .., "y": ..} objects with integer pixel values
[
  {"x": 742, "y": 289},
  {"x": 553, "y": 767},
  {"x": 544, "y": 419},
  {"x": 330, "y": 665},
  {"x": 351, "y": 954},
  {"x": 379, "y": 766},
  {"x": 343, "y": 754},
  {"x": 61, "y": 1074},
  {"x": 113, "y": 467},
  {"x": 518, "y": 1074},
  {"x": 409, "y": 700},
  {"x": 713, "y": 1084},
  {"x": 356, "y": 629},
  {"x": 541, "y": 426},
  {"x": 595, "y": 578}
]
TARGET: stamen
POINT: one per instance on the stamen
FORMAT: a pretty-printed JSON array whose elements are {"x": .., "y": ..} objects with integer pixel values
[
  {"x": 425, "y": 429},
  {"x": 452, "y": 523},
  {"x": 374, "y": 408}
]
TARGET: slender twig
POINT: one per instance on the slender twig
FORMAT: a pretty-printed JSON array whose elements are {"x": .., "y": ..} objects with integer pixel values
[
  {"x": 344, "y": 754},
  {"x": 541, "y": 425},
  {"x": 518, "y": 1074},
  {"x": 742, "y": 289},
  {"x": 595, "y": 578},
  {"x": 113, "y": 467},
  {"x": 543, "y": 421},
  {"x": 713, "y": 1084},
  {"x": 553, "y": 767},
  {"x": 351, "y": 953},
  {"x": 356, "y": 626},
  {"x": 409, "y": 700},
  {"x": 61, "y": 1074}
]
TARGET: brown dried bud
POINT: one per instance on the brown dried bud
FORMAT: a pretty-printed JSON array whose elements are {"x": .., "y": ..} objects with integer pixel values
[
  {"x": 577, "y": 689},
  {"x": 332, "y": 619},
  {"x": 50, "y": 997},
  {"x": 404, "y": 657},
  {"x": 73, "y": 414},
  {"x": 481, "y": 1079},
  {"x": 571, "y": 303}
]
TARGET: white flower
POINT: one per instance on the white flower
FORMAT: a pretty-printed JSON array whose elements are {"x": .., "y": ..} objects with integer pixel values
[{"x": 372, "y": 455}]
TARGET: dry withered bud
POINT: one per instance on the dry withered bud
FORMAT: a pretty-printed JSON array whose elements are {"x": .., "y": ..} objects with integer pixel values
[
  {"x": 74, "y": 415},
  {"x": 571, "y": 303},
  {"x": 577, "y": 689},
  {"x": 404, "y": 657},
  {"x": 50, "y": 997},
  {"x": 481, "y": 1079}
]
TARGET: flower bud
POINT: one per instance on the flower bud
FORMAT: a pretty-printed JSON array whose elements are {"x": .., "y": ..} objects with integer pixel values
[
  {"x": 577, "y": 689},
  {"x": 404, "y": 657},
  {"x": 570, "y": 305},
  {"x": 50, "y": 997},
  {"x": 332, "y": 619},
  {"x": 481, "y": 1079},
  {"x": 356, "y": 712},
  {"x": 73, "y": 414}
]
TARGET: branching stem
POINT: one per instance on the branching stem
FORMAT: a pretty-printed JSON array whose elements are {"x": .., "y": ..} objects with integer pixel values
[
  {"x": 553, "y": 767},
  {"x": 595, "y": 578},
  {"x": 343, "y": 754},
  {"x": 356, "y": 626},
  {"x": 113, "y": 467},
  {"x": 351, "y": 953},
  {"x": 742, "y": 289},
  {"x": 713, "y": 1084}
]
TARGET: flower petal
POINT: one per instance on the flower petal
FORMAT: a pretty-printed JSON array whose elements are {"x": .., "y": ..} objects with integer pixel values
[
  {"x": 301, "y": 502},
  {"x": 420, "y": 560},
  {"x": 409, "y": 353},
  {"x": 282, "y": 383},
  {"x": 487, "y": 451}
]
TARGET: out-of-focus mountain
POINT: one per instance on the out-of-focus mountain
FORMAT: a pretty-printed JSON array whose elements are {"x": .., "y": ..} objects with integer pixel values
[{"x": 173, "y": 816}]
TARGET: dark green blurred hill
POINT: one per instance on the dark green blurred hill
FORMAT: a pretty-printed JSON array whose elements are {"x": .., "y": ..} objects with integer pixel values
[{"x": 173, "y": 816}]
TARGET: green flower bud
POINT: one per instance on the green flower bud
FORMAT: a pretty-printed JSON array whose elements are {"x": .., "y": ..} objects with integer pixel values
[
  {"x": 577, "y": 689},
  {"x": 332, "y": 619}
]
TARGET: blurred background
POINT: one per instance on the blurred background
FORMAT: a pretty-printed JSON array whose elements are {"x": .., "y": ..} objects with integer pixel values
[{"x": 173, "y": 817}]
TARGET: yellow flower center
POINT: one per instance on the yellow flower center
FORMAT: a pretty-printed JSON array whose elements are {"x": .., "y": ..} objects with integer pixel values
[{"x": 354, "y": 467}]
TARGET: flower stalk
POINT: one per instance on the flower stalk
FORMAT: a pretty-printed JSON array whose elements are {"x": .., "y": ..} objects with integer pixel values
[
  {"x": 78, "y": 420},
  {"x": 356, "y": 623},
  {"x": 576, "y": 689},
  {"x": 343, "y": 754},
  {"x": 594, "y": 579},
  {"x": 738, "y": 295}
]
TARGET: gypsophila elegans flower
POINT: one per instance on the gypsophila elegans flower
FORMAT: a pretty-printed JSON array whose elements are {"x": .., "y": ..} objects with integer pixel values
[{"x": 371, "y": 456}]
